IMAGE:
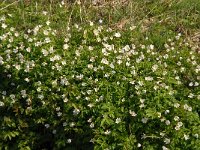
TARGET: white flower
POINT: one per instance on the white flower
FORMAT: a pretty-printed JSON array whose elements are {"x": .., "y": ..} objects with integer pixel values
[
  {"x": 72, "y": 124},
  {"x": 4, "y": 25},
  {"x": 47, "y": 125},
  {"x": 69, "y": 140},
  {"x": 92, "y": 125},
  {"x": 139, "y": 145},
  {"x": 132, "y": 113},
  {"x": 64, "y": 124},
  {"x": 112, "y": 66},
  {"x": 167, "y": 141},
  {"x": 45, "y": 52},
  {"x": 90, "y": 105},
  {"x": 186, "y": 137},
  {"x": 196, "y": 84},
  {"x": 107, "y": 132},
  {"x": 59, "y": 114},
  {"x": 166, "y": 112},
  {"x": 48, "y": 22},
  {"x": 65, "y": 46},
  {"x": 196, "y": 135},
  {"x": 2, "y": 103},
  {"x": 96, "y": 32},
  {"x": 164, "y": 148},
  {"x": 167, "y": 122},
  {"x": 149, "y": 78},
  {"x": 54, "y": 132},
  {"x": 159, "y": 114},
  {"x": 90, "y": 66},
  {"x": 144, "y": 120},
  {"x": 177, "y": 128},
  {"x": 46, "y": 32},
  {"x": 176, "y": 118},
  {"x": 117, "y": 35},
  {"x": 191, "y": 84},
  {"x": 179, "y": 124},
  {"x": 191, "y": 95},
  {"x": 91, "y": 23},
  {"x": 65, "y": 100},
  {"x": 176, "y": 105},
  {"x": 76, "y": 111},
  {"x": 132, "y": 28},
  {"x": 151, "y": 47},
  {"x": 154, "y": 68},
  {"x": 104, "y": 61},
  {"x": 118, "y": 120},
  {"x": 100, "y": 21}
]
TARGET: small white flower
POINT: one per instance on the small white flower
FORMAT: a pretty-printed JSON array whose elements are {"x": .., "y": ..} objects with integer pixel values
[
  {"x": 76, "y": 111},
  {"x": 154, "y": 68},
  {"x": 65, "y": 100},
  {"x": 166, "y": 112},
  {"x": 186, "y": 137},
  {"x": 100, "y": 21},
  {"x": 96, "y": 32},
  {"x": 132, "y": 28},
  {"x": 90, "y": 105},
  {"x": 48, "y": 23},
  {"x": 196, "y": 84},
  {"x": 92, "y": 125},
  {"x": 139, "y": 145},
  {"x": 191, "y": 84},
  {"x": 90, "y": 66},
  {"x": 54, "y": 131},
  {"x": 47, "y": 125},
  {"x": 104, "y": 61},
  {"x": 149, "y": 78},
  {"x": 162, "y": 134},
  {"x": 177, "y": 128},
  {"x": 64, "y": 124},
  {"x": 59, "y": 114},
  {"x": 164, "y": 148},
  {"x": 69, "y": 140},
  {"x": 167, "y": 122},
  {"x": 196, "y": 135},
  {"x": 180, "y": 124},
  {"x": 107, "y": 132},
  {"x": 176, "y": 118},
  {"x": 159, "y": 114},
  {"x": 132, "y": 113},
  {"x": 118, "y": 120},
  {"x": 167, "y": 141},
  {"x": 45, "y": 32},
  {"x": 112, "y": 66},
  {"x": 45, "y": 52},
  {"x": 72, "y": 124},
  {"x": 151, "y": 47},
  {"x": 144, "y": 120},
  {"x": 1, "y": 104},
  {"x": 176, "y": 105},
  {"x": 4, "y": 25},
  {"x": 117, "y": 35},
  {"x": 189, "y": 109},
  {"x": 191, "y": 95},
  {"x": 65, "y": 46},
  {"x": 91, "y": 23}
]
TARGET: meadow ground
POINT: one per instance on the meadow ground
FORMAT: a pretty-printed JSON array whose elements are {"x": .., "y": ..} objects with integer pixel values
[{"x": 101, "y": 74}]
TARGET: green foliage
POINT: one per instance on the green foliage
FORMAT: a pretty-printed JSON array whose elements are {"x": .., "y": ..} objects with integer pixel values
[{"x": 87, "y": 86}]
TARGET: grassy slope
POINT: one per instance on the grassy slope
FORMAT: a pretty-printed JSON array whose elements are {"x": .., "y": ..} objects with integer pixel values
[{"x": 155, "y": 19}]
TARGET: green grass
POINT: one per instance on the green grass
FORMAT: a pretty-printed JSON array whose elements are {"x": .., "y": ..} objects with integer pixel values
[{"x": 130, "y": 82}]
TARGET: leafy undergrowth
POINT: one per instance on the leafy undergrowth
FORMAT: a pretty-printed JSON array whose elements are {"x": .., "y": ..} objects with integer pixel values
[{"x": 96, "y": 88}]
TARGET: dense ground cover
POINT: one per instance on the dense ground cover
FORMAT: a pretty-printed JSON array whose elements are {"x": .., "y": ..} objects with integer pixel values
[{"x": 119, "y": 79}]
